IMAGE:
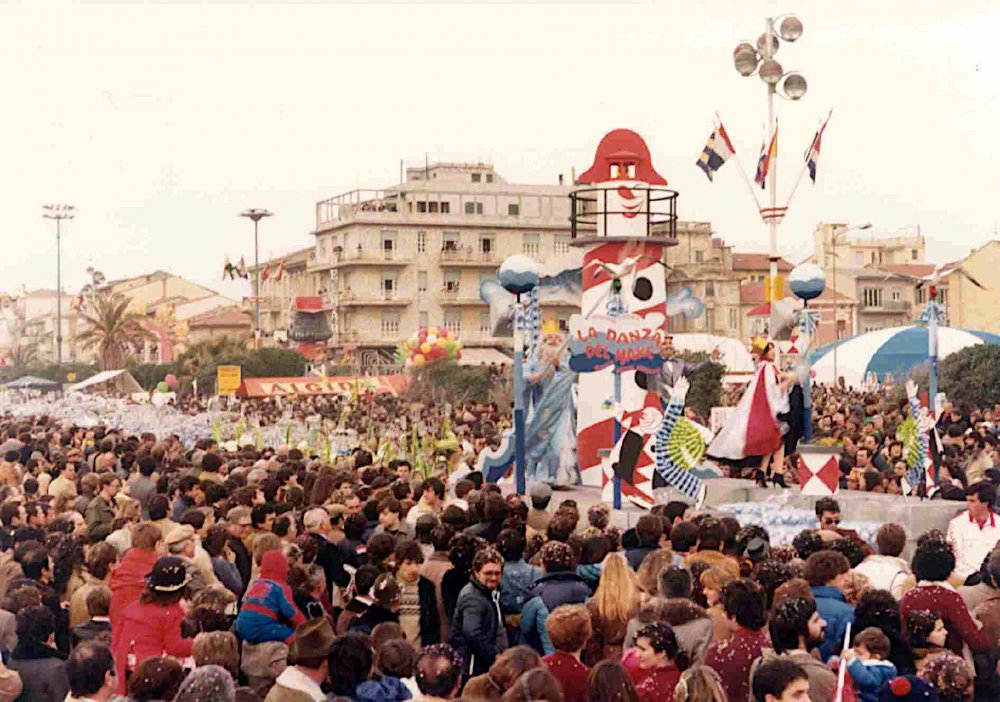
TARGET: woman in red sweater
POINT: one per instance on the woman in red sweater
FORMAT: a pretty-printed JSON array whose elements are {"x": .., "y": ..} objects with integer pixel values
[
  {"x": 151, "y": 627},
  {"x": 656, "y": 663},
  {"x": 933, "y": 564}
]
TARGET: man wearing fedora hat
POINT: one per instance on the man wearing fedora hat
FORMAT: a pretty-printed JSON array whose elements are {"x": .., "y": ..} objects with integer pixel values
[{"x": 307, "y": 658}]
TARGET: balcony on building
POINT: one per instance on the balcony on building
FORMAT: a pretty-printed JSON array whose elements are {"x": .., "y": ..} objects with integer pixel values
[
  {"x": 458, "y": 255},
  {"x": 499, "y": 206},
  {"x": 375, "y": 298},
  {"x": 888, "y": 307},
  {"x": 365, "y": 256},
  {"x": 456, "y": 296}
]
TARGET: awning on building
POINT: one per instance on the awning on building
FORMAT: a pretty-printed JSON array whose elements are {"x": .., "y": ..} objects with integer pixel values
[
  {"x": 316, "y": 385},
  {"x": 120, "y": 380},
  {"x": 484, "y": 357}
]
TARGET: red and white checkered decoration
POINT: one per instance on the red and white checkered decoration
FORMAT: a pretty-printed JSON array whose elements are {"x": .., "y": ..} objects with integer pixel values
[{"x": 819, "y": 473}]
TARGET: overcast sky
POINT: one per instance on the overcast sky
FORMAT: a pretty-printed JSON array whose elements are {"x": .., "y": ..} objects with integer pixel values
[{"x": 161, "y": 121}]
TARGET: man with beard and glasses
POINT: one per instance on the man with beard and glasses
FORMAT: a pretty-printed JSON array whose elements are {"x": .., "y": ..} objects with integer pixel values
[{"x": 796, "y": 627}]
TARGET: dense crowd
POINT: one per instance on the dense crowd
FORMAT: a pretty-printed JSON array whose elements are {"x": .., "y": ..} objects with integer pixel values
[
  {"x": 870, "y": 429},
  {"x": 134, "y": 567}
]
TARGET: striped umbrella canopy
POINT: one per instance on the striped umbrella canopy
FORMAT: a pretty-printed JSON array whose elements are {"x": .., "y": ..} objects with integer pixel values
[{"x": 896, "y": 350}]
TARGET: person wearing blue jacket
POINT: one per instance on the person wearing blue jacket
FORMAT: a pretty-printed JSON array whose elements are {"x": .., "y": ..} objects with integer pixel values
[
  {"x": 559, "y": 586},
  {"x": 828, "y": 573},
  {"x": 866, "y": 665},
  {"x": 268, "y": 612}
]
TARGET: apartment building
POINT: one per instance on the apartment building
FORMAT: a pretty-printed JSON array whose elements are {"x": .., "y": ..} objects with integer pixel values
[
  {"x": 860, "y": 249},
  {"x": 292, "y": 275},
  {"x": 702, "y": 264},
  {"x": 415, "y": 254}
]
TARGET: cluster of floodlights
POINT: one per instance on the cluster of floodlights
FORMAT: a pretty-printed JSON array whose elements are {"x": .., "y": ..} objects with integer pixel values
[{"x": 759, "y": 59}]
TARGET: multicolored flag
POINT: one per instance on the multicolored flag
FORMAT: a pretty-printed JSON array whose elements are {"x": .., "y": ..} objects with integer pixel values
[
  {"x": 766, "y": 159},
  {"x": 812, "y": 153},
  {"x": 717, "y": 151}
]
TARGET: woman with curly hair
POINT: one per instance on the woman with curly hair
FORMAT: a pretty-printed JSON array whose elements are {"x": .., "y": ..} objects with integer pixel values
[
  {"x": 614, "y": 603},
  {"x": 560, "y": 585},
  {"x": 951, "y": 676},
  {"x": 933, "y": 563}
]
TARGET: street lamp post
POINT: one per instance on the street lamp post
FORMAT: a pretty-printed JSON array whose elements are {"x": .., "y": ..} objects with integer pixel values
[
  {"x": 256, "y": 215},
  {"x": 836, "y": 307},
  {"x": 792, "y": 86},
  {"x": 58, "y": 212}
]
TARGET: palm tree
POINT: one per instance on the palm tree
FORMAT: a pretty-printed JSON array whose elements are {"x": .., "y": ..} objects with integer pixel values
[
  {"x": 204, "y": 353},
  {"x": 23, "y": 354},
  {"x": 112, "y": 328}
]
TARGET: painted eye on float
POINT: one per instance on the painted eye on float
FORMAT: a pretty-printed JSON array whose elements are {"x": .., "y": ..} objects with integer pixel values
[
  {"x": 641, "y": 380},
  {"x": 642, "y": 289}
]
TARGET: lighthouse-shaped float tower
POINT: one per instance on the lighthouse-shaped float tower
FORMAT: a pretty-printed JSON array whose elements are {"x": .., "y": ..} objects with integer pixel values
[{"x": 624, "y": 217}]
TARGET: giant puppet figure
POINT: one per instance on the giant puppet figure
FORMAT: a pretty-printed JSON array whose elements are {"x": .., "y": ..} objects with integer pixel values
[{"x": 624, "y": 218}]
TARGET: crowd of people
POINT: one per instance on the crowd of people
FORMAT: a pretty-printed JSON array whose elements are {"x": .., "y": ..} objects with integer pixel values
[
  {"x": 133, "y": 567},
  {"x": 875, "y": 451}
]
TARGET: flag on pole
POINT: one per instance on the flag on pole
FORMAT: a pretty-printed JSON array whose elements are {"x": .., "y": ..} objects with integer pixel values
[
  {"x": 281, "y": 271},
  {"x": 266, "y": 273},
  {"x": 717, "y": 151},
  {"x": 812, "y": 154},
  {"x": 228, "y": 270},
  {"x": 241, "y": 269},
  {"x": 766, "y": 159}
]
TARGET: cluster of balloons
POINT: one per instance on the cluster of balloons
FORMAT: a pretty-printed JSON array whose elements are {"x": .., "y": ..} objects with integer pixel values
[
  {"x": 167, "y": 384},
  {"x": 429, "y": 344}
]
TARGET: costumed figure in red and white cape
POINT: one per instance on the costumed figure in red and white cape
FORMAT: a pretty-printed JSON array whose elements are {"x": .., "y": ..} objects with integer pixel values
[{"x": 753, "y": 429}]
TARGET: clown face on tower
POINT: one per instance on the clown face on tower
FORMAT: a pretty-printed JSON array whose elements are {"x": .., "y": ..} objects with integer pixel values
[{"x": 624, "y": 217}]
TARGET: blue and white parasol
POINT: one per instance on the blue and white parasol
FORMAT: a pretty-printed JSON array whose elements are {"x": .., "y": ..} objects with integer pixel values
[{"x": 897, "y": 350}]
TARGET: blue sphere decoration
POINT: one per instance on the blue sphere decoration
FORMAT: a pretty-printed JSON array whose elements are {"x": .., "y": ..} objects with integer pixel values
[
  {"x": 807, "y": 281},
  {"x": 518, "y": 274}
]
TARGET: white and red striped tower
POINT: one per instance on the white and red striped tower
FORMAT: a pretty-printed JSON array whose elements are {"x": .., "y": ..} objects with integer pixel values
[{"x": 625, "y": 217}]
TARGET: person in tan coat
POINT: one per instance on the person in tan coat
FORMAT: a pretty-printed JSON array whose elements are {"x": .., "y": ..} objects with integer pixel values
[
  {"x": 307, "y": 669},
  {"x": 101, "y": 561}
]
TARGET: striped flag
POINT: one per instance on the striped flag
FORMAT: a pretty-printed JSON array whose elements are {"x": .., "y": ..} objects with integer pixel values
[
  {"x": 766, "y": 159},
  {"x": 812, "y": 154},
  {"x": 717, "y": 151}
]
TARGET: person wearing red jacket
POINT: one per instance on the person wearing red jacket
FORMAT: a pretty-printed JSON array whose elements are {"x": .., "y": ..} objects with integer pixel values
[
  {"x": 933, "y": 563},
  {"x": 128, "y": 581},
  {"x": 151, "y": 627},
  {"x": 656, "y": 663}
]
